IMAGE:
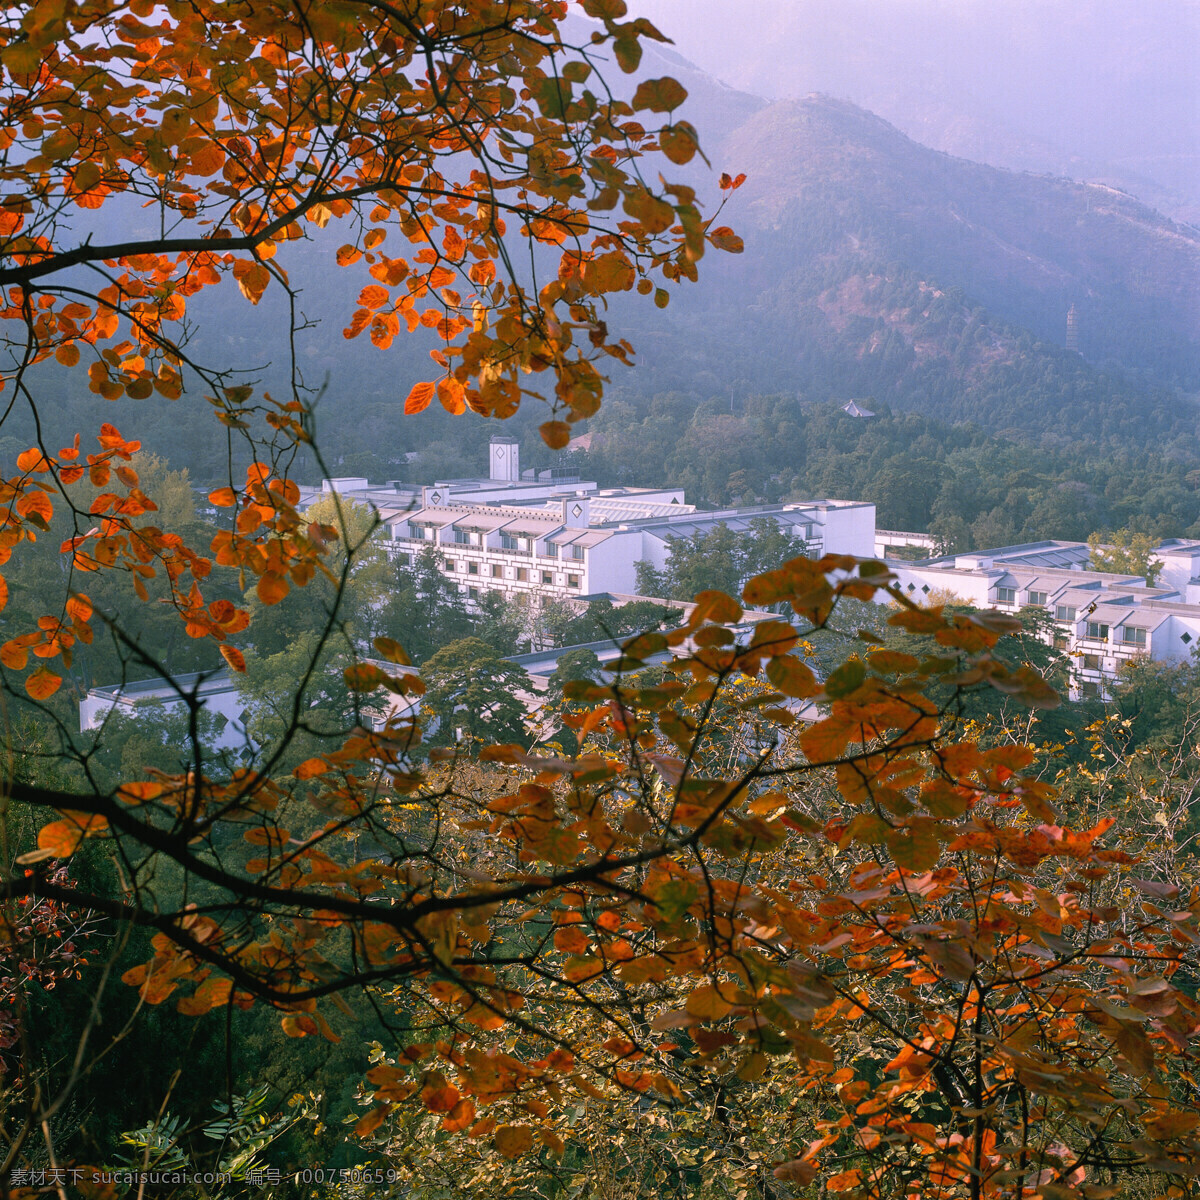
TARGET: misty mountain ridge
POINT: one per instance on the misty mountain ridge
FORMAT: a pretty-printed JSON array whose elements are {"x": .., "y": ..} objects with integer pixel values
[
  {"x": 1092, "y": 89},
  {"x": 828, "y": 181}
]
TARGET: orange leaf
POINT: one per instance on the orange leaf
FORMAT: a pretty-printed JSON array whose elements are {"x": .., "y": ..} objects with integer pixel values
[
  {"x": 453, "y": 396},
  {"x": 272, "y": 588},
  {"x": 513, "y": 1140},
  {"x": 212, "y": 992},
  {"x": 235, "y": 658},
  {"x": 62, "y": 838},
  {"x": 725, "y": 239},
  {"x": 310, "y": 768},
  {"x": 43, "y": 683},
  {"x": 367, "y": 1125},
  {"x": 223, "y": 497},
  {"x": 460, "y": 1116},
  {"x": 556, "y": 434},
  {"x": 419, "y": 398},
  {"x": 14, "y": 655},
  {"x": 373, "y": 296}
]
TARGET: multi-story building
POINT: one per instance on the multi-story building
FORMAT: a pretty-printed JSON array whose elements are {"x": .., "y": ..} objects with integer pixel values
[
  {"x": 554, "y": 536},
  {"x": 1101, "y": 619}
]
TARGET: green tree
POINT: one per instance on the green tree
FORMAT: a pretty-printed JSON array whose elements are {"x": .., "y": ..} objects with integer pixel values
[
  {"x": 421, "y": 608},
  {"x": 1124, "y": 552},
  {"x": 576, "y": 666},
  {"x": 471, "y": 694},
  {"x": 721, "y": 559},
  {"x": 339, "y": 603}
]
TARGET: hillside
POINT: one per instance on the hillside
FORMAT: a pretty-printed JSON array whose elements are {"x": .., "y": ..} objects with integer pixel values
[
  {"x": 828, "y": 179},
  {"x": 875, "y": 266}
]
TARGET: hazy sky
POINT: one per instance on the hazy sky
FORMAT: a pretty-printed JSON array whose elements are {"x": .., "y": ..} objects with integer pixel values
[{"x": 1107, "y": 80}]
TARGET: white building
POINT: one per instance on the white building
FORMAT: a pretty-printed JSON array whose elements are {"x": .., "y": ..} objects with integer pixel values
[
  {"x": 1102, "y": 620},
  {"x": 554, "y": 535},
  {"x": 214, "y": 692}
]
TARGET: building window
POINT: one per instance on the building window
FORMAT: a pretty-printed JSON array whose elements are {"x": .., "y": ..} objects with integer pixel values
[
  {"x": 1064, "y": 612},
  {"x": 497, "y": 571},
  {"x": 522, "y": 575},
  {"x": 1133, "y": 635},
  {"x": 1006, "y": 595},
  {"x": 1060, "y": 641},
  {"x": 577, "y": 553},
  {"x": 473, "y": 593},
  {"x": 1097, "y": 631},
  {"x": 551, "y": 550},
  {"x": 507, "y": 542},
  {"x": 1089, "y": 690},
  {"x": 547, "y": 577},
  {"x": 1039, "y": 598},
  {"x": 461, "y": 537},
  {"x": 472, "y": 568},
  {"x": 1185, "y": 638},
  {"x": 448, "y": 565},
  {"x": 1091, "y": 662},
  {"x": 573, "y": 581}
]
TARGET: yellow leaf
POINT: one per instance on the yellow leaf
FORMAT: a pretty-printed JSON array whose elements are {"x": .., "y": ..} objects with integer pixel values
[
  {"x": 708, "y": 1003},
  {"x": 392, "y": 651}
]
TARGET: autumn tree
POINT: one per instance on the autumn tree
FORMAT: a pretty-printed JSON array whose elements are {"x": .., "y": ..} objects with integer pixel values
[
  {"x": 949, "y": 986},
  {"x": 443, "y": 140}
]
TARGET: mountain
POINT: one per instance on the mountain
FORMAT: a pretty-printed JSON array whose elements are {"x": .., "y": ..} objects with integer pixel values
[
  {"x": 828, "y": 180},
  {"x": 1094, "y": 89},
  {"x": 873, "y": 267}
]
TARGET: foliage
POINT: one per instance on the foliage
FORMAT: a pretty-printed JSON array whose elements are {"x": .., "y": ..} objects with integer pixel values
[
  {"x": 1125, "y": 552},
  {"x": 930, "y": 979},
  {"x": 602, "y": 621},
  {"x": 720, "y": 560},
  {"x": 471, "y": 695},
  {"x": 893, "y": 924},
  {"x": 243, "y": 1128}
]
